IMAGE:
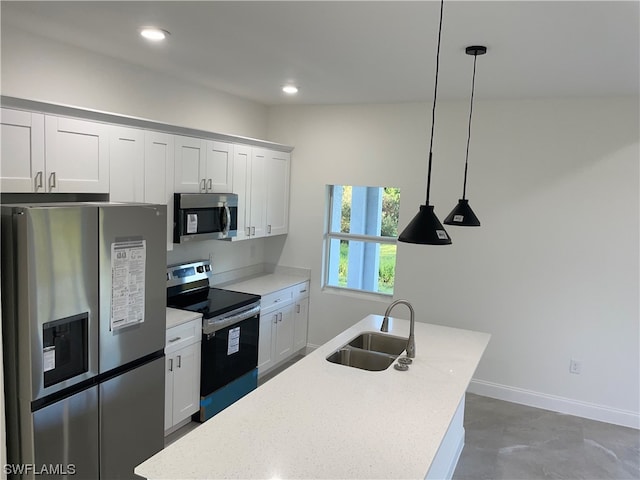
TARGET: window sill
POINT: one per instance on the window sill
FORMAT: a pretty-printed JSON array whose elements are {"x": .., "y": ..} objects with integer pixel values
[{"x": 362, "y": 295}]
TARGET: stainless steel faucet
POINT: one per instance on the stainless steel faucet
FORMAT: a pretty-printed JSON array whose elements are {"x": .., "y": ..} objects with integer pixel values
[{"x": 411, "y": 343}]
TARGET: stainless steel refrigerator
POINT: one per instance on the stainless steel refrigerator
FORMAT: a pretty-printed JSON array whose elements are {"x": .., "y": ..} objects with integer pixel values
[{"x": 83, "y": 311}]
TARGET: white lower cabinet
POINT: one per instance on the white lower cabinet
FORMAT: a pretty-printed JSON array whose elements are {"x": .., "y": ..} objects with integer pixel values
[
  {"x": 301, "y": 316},
  {"x": 283, "y": 325},
  {"x": 182, "y": 374}
]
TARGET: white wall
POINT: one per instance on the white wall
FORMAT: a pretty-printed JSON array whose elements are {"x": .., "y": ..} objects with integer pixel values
[
  {"x": 552, "y": 273},
  {"x": 42, "y": 69}
]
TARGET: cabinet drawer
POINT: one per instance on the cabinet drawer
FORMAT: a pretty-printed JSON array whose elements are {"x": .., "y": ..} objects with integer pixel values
[
  {"x": 276, "y": 299},
  {"x": 301, "y": 290},
  {"x": 183, "y": 335}
]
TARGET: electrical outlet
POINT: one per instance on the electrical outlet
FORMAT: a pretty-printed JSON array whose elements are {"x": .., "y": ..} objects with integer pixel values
[{"x": 575, "y": 366}]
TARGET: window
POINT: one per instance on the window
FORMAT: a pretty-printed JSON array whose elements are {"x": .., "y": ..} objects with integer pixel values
[{"x": 360, "y": 242}]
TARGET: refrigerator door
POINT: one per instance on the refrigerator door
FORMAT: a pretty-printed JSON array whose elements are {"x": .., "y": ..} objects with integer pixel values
[
  {"x": 50, "y": 285},
  {"x": 131, "y": 419},
  {"x": 133, "y": 262},
  {"x": 66, "y": 437}
]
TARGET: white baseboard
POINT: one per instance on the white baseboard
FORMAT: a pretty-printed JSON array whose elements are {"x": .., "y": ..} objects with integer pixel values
[{"x": 555, "y": 403}]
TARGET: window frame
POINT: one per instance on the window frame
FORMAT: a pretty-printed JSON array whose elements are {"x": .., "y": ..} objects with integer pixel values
[{"x": 329, "y": 235}]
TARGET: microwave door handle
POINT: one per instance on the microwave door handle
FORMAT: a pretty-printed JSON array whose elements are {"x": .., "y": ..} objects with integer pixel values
[{"x": 227, "y": 222}]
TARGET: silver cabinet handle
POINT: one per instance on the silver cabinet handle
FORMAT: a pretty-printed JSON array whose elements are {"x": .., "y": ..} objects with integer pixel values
[
  {"x": 268, "y": 228},
  {"x": 179, "y": 361},
  {"x": 253, "y": 230},
  {"x": 204, "y": 185},
  {"x": 280, "y": 317},
  {"x": 52, "y": 180},
  {"x": 210, "y": 186},
  {"x": 275, "y": 318},
  {"x": 248, "y": 231},
  {"x": 38, "y": 179},
  {"x": 298, "y": 308},
  {"x": 171, "y": 364},
  {"x": 174, "y": 339}
]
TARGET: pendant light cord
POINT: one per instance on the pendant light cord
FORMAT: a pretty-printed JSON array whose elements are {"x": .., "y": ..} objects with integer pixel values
[
  {"x": 466, "y": 160},
  {"x": 435, "y": 95}
]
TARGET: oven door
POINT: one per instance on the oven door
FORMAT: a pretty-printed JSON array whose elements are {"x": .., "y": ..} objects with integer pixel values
[
  {"x": 228, "y": 353},
  {"x": 204, "y": 216}
]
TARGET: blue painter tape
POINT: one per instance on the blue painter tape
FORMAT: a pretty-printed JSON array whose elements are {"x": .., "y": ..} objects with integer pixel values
[{"x": 217, "y": 401}]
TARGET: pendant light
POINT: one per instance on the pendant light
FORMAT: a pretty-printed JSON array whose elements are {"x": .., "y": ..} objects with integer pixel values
[
  {"x": 425, "y": 228},
  {"x": 462, "y": 215}
]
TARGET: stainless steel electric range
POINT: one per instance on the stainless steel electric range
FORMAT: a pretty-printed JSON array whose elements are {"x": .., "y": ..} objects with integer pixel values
[{"x": 230, "y": 328}]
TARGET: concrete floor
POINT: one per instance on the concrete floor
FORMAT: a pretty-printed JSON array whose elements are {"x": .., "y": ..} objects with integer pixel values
[{"x": 514, "y": 442}]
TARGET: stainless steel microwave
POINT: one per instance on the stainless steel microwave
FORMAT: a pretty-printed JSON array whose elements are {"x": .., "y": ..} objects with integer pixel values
[{"x": 204, "y": 216}]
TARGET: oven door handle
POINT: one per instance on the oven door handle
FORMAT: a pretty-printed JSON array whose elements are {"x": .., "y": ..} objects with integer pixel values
[{"x": 213, "y": 325}]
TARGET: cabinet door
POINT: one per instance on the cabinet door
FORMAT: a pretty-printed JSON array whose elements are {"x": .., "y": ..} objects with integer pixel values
[
  {"x": 168, "y": 392},
  {"x": 186, "y": 382},
  {"x": 158, "y": 175},
  {"x": 190, "y": 154},
  {"x": 241, "y": 183},
  {"x": 301, "y": 323},
  {"x": 284, "y": 334},
  {"x": 277, "y": 192},
  {"x": 258, "y": 205},
  {"x": 22, "y": 151},
  {"x": 265, "y": 348},
  {"x": 77, "y": 155},
  {"x": 219, "y": 167},
  {"x": 126, "y": 164}
]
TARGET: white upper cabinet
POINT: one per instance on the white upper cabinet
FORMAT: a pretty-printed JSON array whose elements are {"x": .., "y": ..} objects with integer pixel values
[
  {"x": 257, "y": 202},
  {"x": 22, "y": 152},
  {"x": 77, "y": 155},
  {"x": 141, "y": 166},
  {"x": 219, "y": 170},
  {"x": 158, "y": 174},
  {"x": 277, "y": 168},
  {"x": 242, "y": 187},
  {"x": 126, "y": 164},
  {"x": 203, "y": 166},
  {"x": 261, "y": 181},
  {"x": 51, "y": 154},
  {"x": 248, "y": 184},
  {"x": 190, "y": 164}
]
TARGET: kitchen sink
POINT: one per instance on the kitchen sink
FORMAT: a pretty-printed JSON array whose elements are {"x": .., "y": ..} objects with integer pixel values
[
  {"x": 363, "y": 359},
  {"x": 380, "y": 343}
]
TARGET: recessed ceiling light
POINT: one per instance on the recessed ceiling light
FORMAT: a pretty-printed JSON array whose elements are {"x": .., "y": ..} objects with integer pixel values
[
  {"x": 153, "y": 34},
  {"x": 290, "y": 89}
]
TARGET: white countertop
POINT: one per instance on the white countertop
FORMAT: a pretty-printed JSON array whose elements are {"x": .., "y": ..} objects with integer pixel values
[
  {"x": 266, "y": 283},
  {"x": 178, "y": 317},
  {"x": 322, "y": 420}
]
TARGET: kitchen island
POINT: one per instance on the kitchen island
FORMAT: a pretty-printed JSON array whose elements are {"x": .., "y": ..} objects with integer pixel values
[{"x": 323, "y": 420}]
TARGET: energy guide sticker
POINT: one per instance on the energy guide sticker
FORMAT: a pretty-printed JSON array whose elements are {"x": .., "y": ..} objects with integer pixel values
[
  {"x": 233, "y": 345},
  {"x": 128, "y": 265}
]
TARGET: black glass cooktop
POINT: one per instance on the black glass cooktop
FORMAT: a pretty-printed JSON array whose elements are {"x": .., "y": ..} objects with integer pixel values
[{"x": 212, "y": 302}]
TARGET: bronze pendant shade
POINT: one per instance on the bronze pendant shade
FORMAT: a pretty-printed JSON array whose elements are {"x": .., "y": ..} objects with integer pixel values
[
  {"x": 462, "y": 214},
  {"x": 425, "y": 228}
]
